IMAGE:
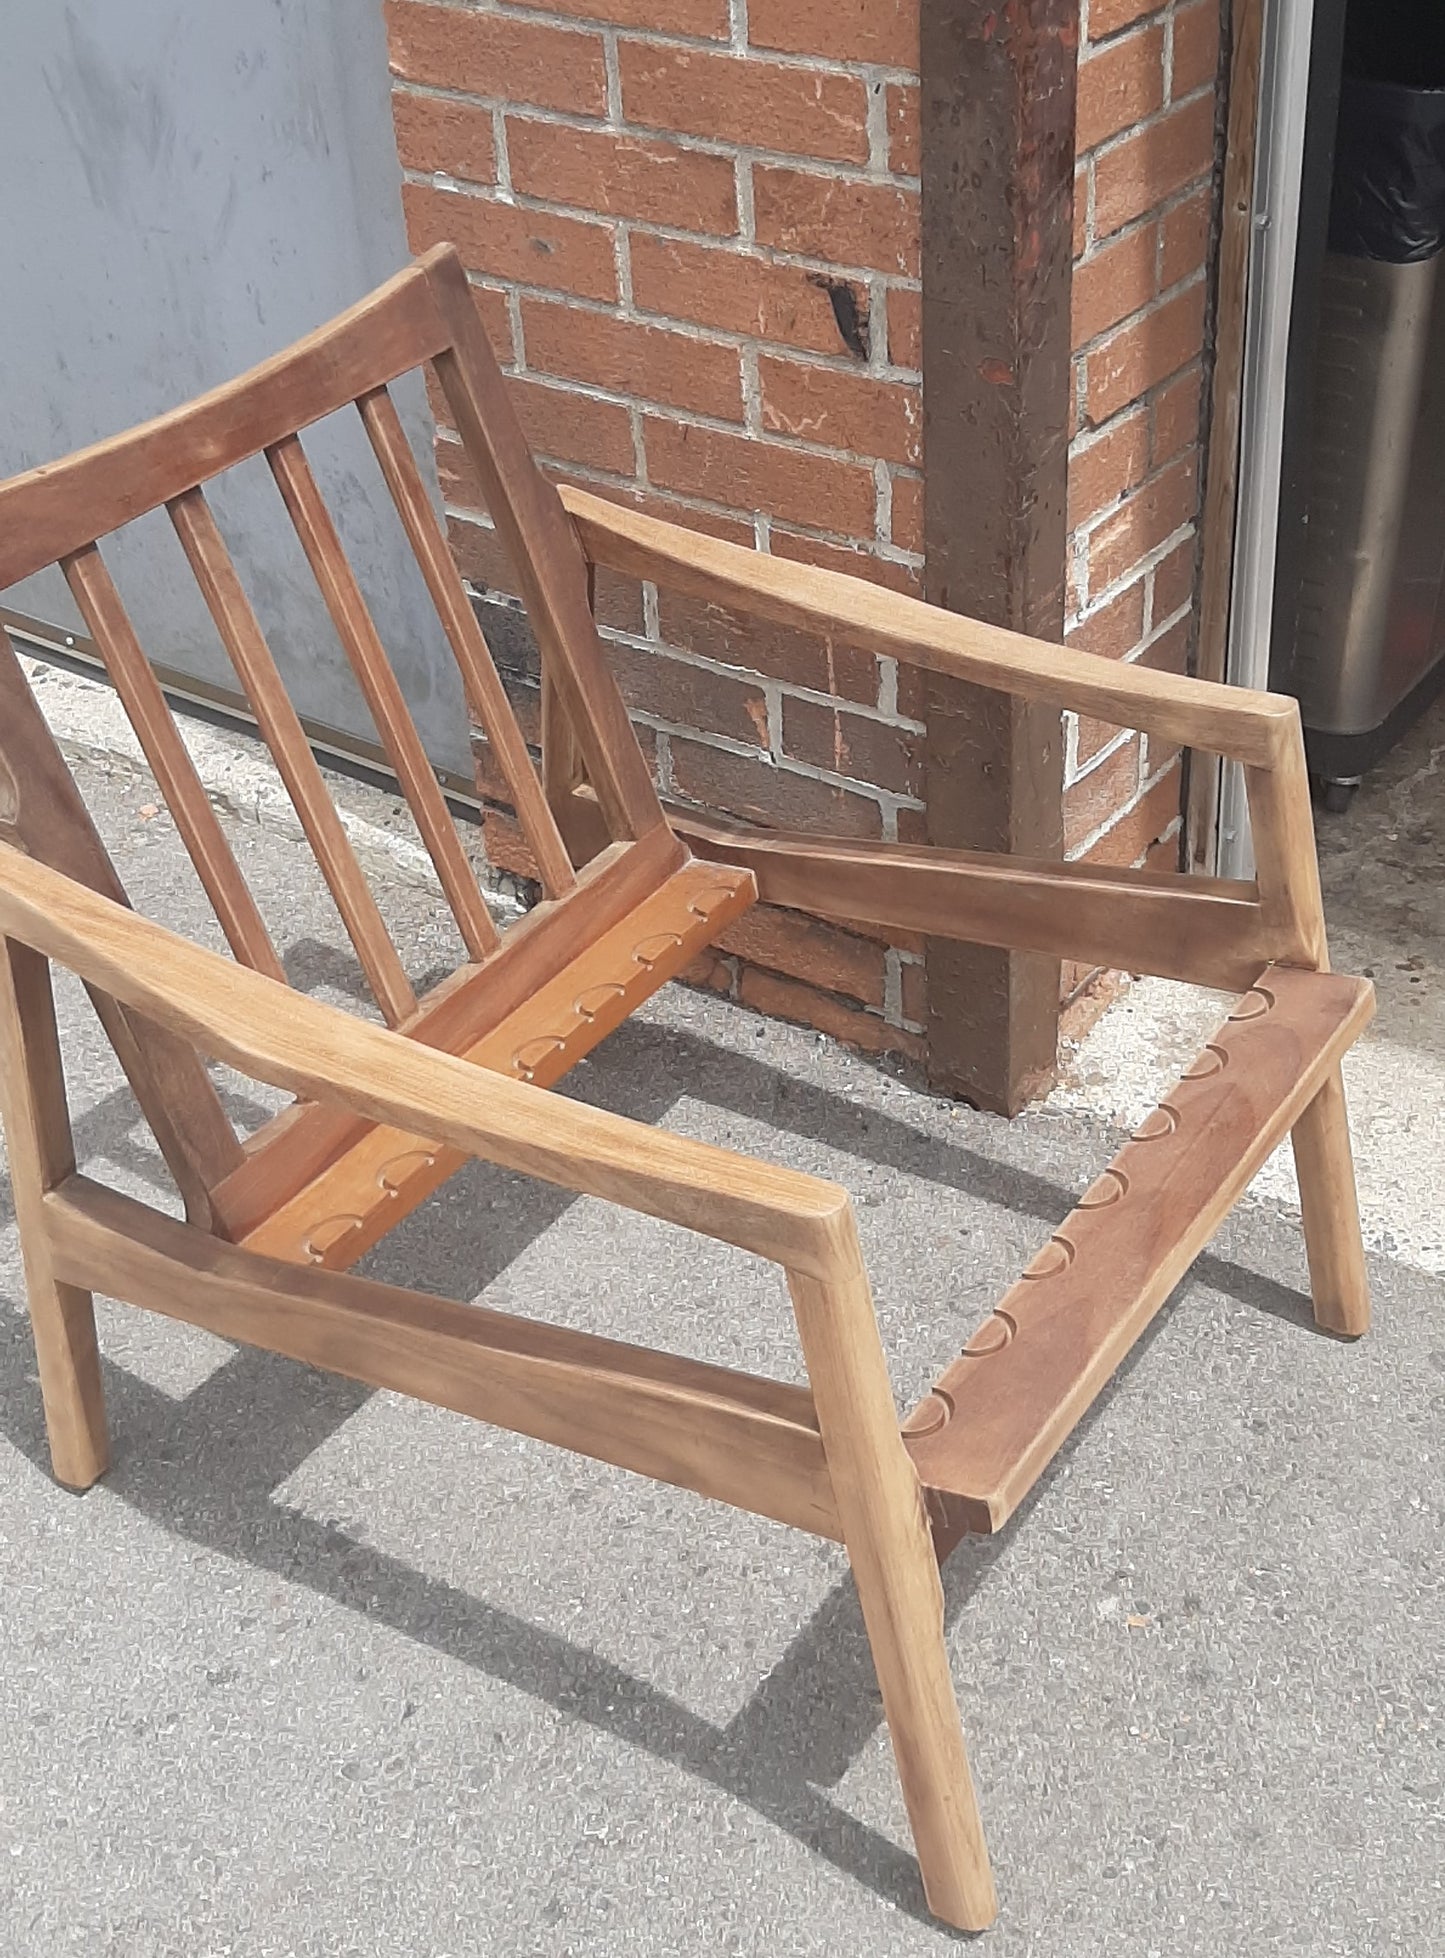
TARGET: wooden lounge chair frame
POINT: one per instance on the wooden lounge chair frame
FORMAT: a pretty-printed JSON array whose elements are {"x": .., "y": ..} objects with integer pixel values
[{"x": 384, "y": 1113}]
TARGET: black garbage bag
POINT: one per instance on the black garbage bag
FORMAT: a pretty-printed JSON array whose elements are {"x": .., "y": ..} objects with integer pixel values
[
  {"x": 1388, "y": 199},
  {"x": 1388, "y": 196}
]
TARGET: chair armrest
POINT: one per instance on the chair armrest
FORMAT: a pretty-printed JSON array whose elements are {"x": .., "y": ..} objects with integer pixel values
[
  {"x": 318, "y": 1052},
  {"x": 1256, "y": 728}
]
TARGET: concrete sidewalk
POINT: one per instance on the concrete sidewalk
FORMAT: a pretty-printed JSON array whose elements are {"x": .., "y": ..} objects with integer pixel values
[{"x": 318, "y": 1671}]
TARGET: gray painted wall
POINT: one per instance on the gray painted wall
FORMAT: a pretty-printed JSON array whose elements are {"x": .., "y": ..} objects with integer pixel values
[{"x": 185, "y": 187}]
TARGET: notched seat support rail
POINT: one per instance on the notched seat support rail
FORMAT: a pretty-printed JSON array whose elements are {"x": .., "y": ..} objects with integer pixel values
[{"x": 1000, "y": 1412}]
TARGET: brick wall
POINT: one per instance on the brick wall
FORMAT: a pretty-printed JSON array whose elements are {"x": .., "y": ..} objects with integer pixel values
[
  {"x": 693, "y": 228},
  {"x": 1143, "y": 213}
]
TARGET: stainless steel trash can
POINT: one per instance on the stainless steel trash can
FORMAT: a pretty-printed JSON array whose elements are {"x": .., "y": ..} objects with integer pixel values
[
  {"x": 1370, "y": 637},
  {"x": 1370, "y": 643}
]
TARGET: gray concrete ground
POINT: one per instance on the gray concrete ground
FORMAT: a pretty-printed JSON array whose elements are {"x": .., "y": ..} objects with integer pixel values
[{"x": 320, "y": 1671}]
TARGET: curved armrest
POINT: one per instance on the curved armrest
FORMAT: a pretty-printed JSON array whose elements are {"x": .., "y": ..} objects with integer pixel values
[
  {"x": 1250, "y": 727},
  {"x": 316, "y": 1051}
]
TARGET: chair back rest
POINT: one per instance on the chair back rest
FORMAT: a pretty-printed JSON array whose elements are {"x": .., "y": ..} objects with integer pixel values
[{"x": 59, "y": 514}]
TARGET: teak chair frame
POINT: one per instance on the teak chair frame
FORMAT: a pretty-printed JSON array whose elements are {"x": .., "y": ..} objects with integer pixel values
[{"x": 383, "y": 1114}]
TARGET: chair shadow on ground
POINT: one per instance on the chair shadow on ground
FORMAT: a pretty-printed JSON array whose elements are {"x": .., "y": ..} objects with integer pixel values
[{"x": 210, "y": 1477}]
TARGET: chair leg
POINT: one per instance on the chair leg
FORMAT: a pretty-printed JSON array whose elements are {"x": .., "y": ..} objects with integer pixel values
[
  {"x": 63, "y": 1321},
  {"x": 886, "y": 1532},
  {"x": 38, "y": 1142},
  {"x": 1330, "y": 1209}
]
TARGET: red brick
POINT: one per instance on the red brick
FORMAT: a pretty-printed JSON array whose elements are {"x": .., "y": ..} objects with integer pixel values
[
  {"x": 805, "y": 948},
  {"x": 854, "y": 745},
  {"x": 670, "y": 509},
  {"x": 881, "y": 31},
  {"x": 841, "y": 219},
  {"x": 1092, "y": 736},
  {"x": 630, "y": 358},
  {"x": 1113, "y": 282},
  {"x": 788, "y": 999},
  {"x": 491, "y": 55},
  {"x": 1093, "y": 799},
  {"x": 1169, "y": 653},
  {"x": 484, "y": 562},
  {"x": 733, "y": 100},
  {"x": 1150, "y": 167},
  {"x": 506, "y": 847},
  {"x": 689, "y": 696},
  {"x": 1108, "y": 466},
  {"x": 1114, "y": 629},
  {"x": 1146, "y": 351},
  {"x": 491, "y": 781},
  {"x": 1119, "y": 86},
  {"x": 839, "y": 409},
  {"x": 623, "y": 176},
  {"x": 1196, "y": 47},
  {"x": 1168, "y": 852},
  {"x": 853, "y": 560},
  {"x": 616, "y": 600},
  {"x": 480, "y": 555},
  {"x": 1184, "y": 238},
  {"x": 496, "y": 317},
  {"x": 571, "y": 427},
  {"x": 906, "y": 941},
  {"x": 905, "y": 136},
  {"x": 905, "y": 327},
  {"x": 709, "y": 971},
  {"x": 459, "y": 484},
  {"x": 534, "y": 248},
  {"x": 1143, "y": 521},
  {"x": 1091, "y": 991},
  {"x": 1174, "y": 579},
  {"x": 436, "y": 134},
  {"x": 913, "y": 826},
  {"x": 761, "y": 792},
  {"x": 907, "y": 526},
  {"x": 1081, "y": 210},
  {"x": 437, "y": 399},
  {"x": 1142, "y": 826},
  {"x": 564, "y": 427},
  {"x": 705, "y": 20},
  {"x": 738, "y": 293},
  {"x": 755, "y": 645},
  {"x": 1109, "y": 16},
  {"x": 1160, "y": 754},
  {"x": 744, "y": 473},
  {"x": 914, "y": 975},
  {"x": 1176, "y": 416},
  {"x": 1073, "y": 977},
  {"x": 743, "y": 640}
]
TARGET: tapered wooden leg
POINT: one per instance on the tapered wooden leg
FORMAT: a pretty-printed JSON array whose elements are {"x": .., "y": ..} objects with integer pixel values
[
  {"x": 41, "y": 1154},
  {"x": 63, "y": 1320},
  {"x": 1287, "y": 870},
  {"x": 880, "y": 1506},
  {"x": 1330, "y": 1208}
]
